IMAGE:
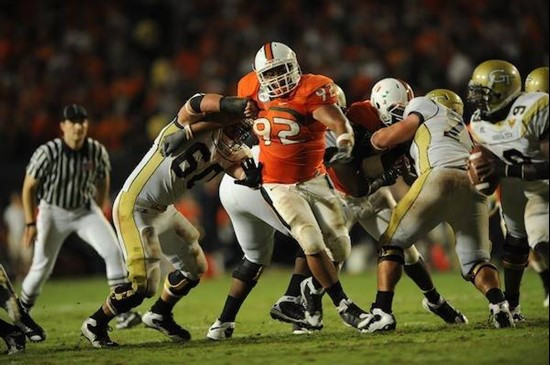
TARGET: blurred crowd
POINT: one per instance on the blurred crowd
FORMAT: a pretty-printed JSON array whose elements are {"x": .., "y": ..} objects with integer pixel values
[{"x": 133, "y": 63}]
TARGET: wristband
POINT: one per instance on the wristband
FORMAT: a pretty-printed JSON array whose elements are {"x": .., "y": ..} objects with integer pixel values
[
  {"x": 31, "y": 224},
  {"x": 344, "y": 137},
  {"x": 233, "y": 104}
]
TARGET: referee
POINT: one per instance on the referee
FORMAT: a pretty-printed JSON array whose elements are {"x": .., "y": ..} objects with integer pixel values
[{"x": 69, "y": 179}]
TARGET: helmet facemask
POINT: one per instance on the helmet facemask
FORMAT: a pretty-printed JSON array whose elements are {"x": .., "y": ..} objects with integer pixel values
[
  {"x": 231, "y": 139},
  {"x": 279, "y": 78},
  {"x": 482, "y": 97}
]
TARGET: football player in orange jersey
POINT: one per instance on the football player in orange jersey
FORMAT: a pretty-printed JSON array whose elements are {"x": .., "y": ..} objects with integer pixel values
[{"x": 295, "y": 111}]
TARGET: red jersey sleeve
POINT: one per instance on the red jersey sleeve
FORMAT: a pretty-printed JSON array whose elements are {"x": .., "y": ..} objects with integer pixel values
[
  {"x": 364, "y": 114},
  {"x": 248, "y": 85},
  {"x": 319, "y": 90}
]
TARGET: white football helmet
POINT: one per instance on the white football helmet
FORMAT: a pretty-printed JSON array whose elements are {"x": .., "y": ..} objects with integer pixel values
[
  {"x": 390, "y": 97},
  {"x": 277, "y": 69}
]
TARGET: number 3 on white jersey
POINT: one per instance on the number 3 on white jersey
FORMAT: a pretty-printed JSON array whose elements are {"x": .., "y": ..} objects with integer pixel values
[{"x": 262, "y": 127}]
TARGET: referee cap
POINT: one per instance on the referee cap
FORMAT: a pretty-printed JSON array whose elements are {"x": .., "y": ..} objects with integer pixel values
[{"x": 74, "y": 113}]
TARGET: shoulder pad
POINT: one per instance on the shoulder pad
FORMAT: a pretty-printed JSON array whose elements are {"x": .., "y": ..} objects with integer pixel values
[
  {"x": 309, "y": 83},
  {"x": 248, "y": 85}
]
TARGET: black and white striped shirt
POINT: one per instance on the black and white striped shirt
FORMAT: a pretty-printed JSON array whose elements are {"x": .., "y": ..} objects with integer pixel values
[{"x": 67, "y": 177}]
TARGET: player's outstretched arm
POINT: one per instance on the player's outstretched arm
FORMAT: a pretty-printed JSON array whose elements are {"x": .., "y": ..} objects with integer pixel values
[
  {"x": 28, "y": 195},
  {"x": 102, "y": 190},
  {"x": 396, "y": 134},
  {"x": 192, "y": 114}
]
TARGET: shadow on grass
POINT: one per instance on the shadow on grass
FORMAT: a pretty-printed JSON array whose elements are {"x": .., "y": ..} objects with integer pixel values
[{"x": 408, "y": 334}]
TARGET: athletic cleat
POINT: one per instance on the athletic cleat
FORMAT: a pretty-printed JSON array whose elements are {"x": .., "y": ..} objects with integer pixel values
[
  {"x": 127, "y": 320},
  {"x": 352, "y": 315},
  {"x": 380, "y": 321},
  {"x": 97, "y": 335},
  {"x": 300, "y": 330},
  {"x": 500, "y": 315},
  {"x": 220, "y": 330},
  {"x": 517, "y": 315},
  {"x": 165, "y": 323},
  {"x": 313, "y": 303},
  {"x": 290, "y": 310},
  {"x": 545, "y": 303},
  {"x": 30, "y": 328},
  {"x": 445, "y": 311},
  {"x": 15, "y": 342}
]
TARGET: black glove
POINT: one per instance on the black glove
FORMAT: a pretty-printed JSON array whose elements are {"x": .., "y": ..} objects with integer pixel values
[
  {"x": 174, "y": 141},
  {"x": 389, "y": 177},
  {"x": 329, "y": 153},
  {"x": 253, "y": 178}
]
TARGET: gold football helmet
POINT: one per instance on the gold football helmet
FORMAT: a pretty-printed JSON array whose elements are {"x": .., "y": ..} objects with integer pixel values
[
  {"x": 340, "y": 97},
  {"x": 537, "y": 80},
  {"x": 494, "y": 84},
  {"x": 448, "y": 98}
]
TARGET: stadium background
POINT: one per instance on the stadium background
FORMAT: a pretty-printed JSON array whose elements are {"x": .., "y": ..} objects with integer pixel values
[{"x": 133, "y": 63}]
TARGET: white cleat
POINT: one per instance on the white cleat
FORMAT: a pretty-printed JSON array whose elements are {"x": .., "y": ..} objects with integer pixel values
[
  {"x": 220, "y": 331},
  {"x": 97, "y": 335},
  {"x": 500, "y": 315},
  {"x": 545, "y": 303},
  {"x": 380, "y": 321},
  {"x": 517, "y": 315}
]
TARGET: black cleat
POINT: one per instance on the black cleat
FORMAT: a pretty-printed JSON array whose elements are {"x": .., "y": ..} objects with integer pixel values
[
  {"x": 313, "y": 303},
  {"x": 445, "y": 311},
  {"x": 32, "y": 330},
  {"x": 165, "y": 323},
  {"x": 15, "y": 341}
]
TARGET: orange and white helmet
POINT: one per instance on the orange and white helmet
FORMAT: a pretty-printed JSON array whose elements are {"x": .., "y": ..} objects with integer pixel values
[
  {"x": 277, "y": 69},
  {"x": 390, "y": 97}
]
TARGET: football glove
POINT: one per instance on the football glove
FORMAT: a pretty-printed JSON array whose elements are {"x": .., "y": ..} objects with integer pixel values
[
  {"x": 341, "y": 154},
  {"x": 175, "y": 140},
  {"x": 253, "y": 174}
]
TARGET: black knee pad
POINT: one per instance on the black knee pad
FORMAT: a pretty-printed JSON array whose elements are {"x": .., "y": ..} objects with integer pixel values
[
  {"x": 391, "y": 253},
  {"x": 471, "y": 276},
  {"x": 124, "y": 297},
  {"x": 248, "y": 272},
  {"x": 542, "y": 249},
  {"x": 515, "y": 253},
  {"x": 300, "y": 253},
  {"x": 178, "y": 284}
]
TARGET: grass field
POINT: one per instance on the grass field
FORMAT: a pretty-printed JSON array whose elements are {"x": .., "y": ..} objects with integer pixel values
[{"x": 420, "y": 337}]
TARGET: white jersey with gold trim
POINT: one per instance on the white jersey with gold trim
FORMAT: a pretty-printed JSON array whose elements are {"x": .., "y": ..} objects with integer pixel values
[
  {"x": 516, "y": 138},
  {"x": 442, "y": 139},
  {"x": 163, "y": 180}
]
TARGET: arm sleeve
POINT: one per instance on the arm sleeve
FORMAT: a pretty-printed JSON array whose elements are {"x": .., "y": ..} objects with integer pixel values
[
  {"x": 536, "y": 118},
  {"x": 104, "y": 167},
  {"x": 40, "y": 163},
  {"x": 322, "y": 95},
  {"x": 422, "y": 106}
]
